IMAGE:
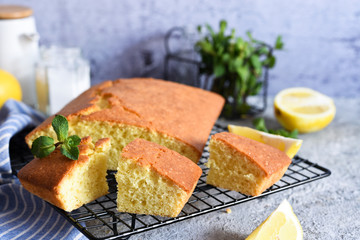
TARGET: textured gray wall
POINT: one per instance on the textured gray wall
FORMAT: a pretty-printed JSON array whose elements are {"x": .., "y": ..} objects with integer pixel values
[{"x": 322, "y": 38}]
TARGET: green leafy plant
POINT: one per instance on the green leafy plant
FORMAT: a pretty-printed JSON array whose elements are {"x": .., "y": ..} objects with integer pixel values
[
  {"x": 236, "y": 65},
  {"x": 259, "y": 124},
  {"x": 44, "y": 145}
]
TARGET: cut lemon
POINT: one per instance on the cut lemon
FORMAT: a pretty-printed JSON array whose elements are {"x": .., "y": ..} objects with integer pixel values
[
  {"x": 281, "y": 224},
  {"x": 303, "y": 109},
  {"x": 288, "y": 145}
]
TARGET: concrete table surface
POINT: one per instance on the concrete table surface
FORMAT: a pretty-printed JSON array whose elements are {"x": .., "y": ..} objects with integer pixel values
[{"x": 327, "y": 209}]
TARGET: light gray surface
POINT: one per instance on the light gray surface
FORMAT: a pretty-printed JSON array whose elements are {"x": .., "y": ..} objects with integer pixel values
[
  {"x": 322, "y": 38},
  {"x": 327, "y": 209}
]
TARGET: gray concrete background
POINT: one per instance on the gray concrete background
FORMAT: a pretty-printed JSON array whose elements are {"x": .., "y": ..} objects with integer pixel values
[{"x": 322, "y": 38}]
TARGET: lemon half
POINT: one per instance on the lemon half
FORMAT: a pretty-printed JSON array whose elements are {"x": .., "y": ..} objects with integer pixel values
[
  {"x": 303, "y": 109},
  {"x": 288, "y": 145},
  {"x": 281, "y": 224}
]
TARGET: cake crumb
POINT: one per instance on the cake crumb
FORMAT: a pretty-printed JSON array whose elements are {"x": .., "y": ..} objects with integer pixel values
[{"x": 228, "y": 210}]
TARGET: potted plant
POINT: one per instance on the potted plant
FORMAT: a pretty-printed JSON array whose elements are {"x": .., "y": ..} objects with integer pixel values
[{"x": 236, "y": 65}]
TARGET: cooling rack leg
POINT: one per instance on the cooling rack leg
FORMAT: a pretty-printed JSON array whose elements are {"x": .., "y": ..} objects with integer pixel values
[
  {"x": 133, "y": 221},
  {"x": 114, "y": 225}
]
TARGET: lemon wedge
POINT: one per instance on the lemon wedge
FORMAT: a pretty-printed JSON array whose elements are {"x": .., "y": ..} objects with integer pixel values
[
  {"x": 288, "y": 145},
  {"x": 303, "y": 109},
  {"x": 281, "y": 224}
]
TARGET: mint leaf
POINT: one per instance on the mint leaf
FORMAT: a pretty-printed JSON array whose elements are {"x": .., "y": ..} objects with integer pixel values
[
  {"x": 264, "y": 50},
  {"x": 42, "y": 146},
  {"x": 223, "y": 25},
  {"x": 209, "y": 28},
  {"x": 73, "y": 141},
  {"x": 259, "y": 124},
  {"x": 243, "y": 73},
  {"x": 255, "y": 61},
  {"x": 219, "y": 70},
  {"x": 279, "y": 43},
  {"x": 70, "y": 151},
  {"x": 248, "y": 33},
  {"x": 294, "y": 133},
  {"x": 61, "y": 127},
  {"x": 270, "y": 62}
]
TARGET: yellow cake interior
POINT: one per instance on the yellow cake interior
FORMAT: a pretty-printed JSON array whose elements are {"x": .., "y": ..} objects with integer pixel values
[
  {"x": 231, "y": 170},
  {"x": 120, "y": 135},
  {"x": 142, "y": 190},
  {"x": 87, "y": 181}
]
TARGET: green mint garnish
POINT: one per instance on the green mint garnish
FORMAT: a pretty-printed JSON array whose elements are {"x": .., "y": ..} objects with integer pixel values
[
  {"x": 70, "y": 147},
  {"x": 44, "y": 145},
  {"x": 259, "y": 124},
  {"x": 61, "y": 127}
]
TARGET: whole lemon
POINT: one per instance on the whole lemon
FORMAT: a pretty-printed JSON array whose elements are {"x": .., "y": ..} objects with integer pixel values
[{"x": 9, "y": 87}]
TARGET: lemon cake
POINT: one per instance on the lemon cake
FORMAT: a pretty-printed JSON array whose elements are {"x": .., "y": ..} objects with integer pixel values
[
  {"x": 66, "y": 183},
  {"x": 241, "y": 164},
  {"x": 174, "y": 115},
  {"x": 153, "y": 179}
]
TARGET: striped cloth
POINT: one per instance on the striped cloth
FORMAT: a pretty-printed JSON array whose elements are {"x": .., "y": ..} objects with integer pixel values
[{"x": 23, "y": 215}]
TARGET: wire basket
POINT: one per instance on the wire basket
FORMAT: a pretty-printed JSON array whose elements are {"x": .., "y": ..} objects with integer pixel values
[{"x": 100, "y": 219}]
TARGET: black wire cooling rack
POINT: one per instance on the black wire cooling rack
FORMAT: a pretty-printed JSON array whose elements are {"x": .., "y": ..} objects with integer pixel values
[{"x": 100, "y": 219}]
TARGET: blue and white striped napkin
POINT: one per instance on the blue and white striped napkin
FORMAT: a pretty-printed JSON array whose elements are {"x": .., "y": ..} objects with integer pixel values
[{"x": 23, "y": 215}]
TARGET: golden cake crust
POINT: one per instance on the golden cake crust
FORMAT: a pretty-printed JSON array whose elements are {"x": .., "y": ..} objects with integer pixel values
[
  {"x": 260, "y": 154},
  {"x": 170, "y": 164},
  {"x": 170, "y": 108}
]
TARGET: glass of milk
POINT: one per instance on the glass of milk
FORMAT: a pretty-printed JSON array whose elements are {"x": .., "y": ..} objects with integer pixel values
[{"x": 61, "y": 75}]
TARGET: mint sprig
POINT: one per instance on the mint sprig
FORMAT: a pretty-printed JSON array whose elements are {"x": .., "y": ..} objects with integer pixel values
[
  {"x": 259, "y": 124},
  {"x": 44, "y": 145}
]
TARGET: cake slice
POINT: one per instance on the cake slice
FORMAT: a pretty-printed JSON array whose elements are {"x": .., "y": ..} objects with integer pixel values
[
  {"x": 156, "y": 110},
  {"x": 66, "y": 183},
  {"x": 240, "y": 164},
  {"x": 153, "y": 179}
]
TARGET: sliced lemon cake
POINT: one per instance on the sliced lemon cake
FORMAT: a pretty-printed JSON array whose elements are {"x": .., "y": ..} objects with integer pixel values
[
  {"x": 66, "y": 183},
  {"x": 174, "y": 115},
  {"x": 241, "y": 164},
  {"x": 153, "y": 179}
]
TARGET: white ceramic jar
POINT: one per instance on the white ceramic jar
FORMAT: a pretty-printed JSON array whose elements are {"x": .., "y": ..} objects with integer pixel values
[{"x": 19, "y": 47}]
